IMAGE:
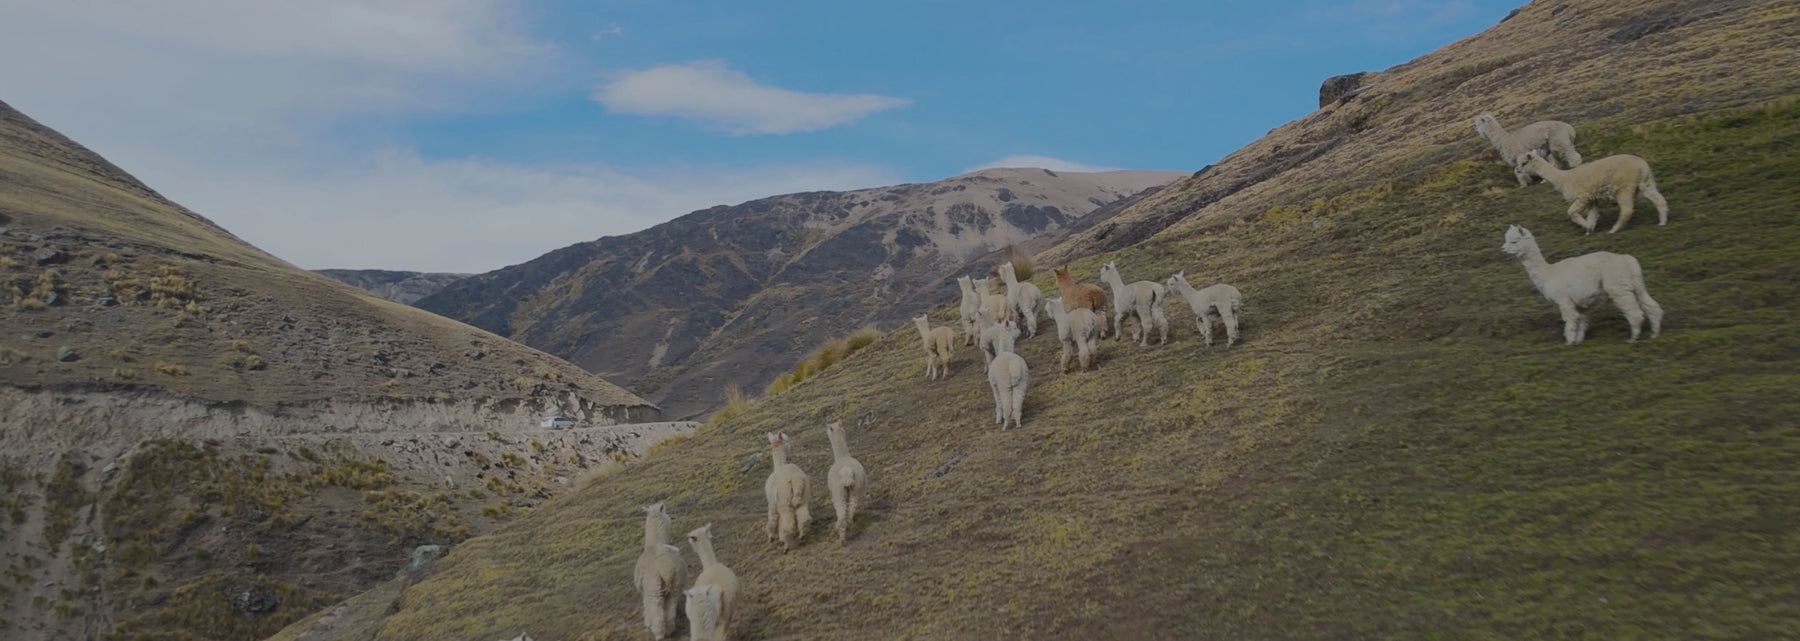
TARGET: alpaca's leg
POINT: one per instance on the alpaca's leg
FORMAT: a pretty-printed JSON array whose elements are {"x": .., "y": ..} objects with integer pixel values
[
  {"x": 774, "y": 519},
  {"x": 841, "y": 504},
  {"x": 1119, "y": 322},
  {"x": 1652, "y": 310},
  {"x": 672, "y": 609},
  {"x": 1623, "y": 297},
  {"x": 850, "y": 509},
  {"x": 802, "y": 519},
  {"x": 1162, "y": 325},
  {"x": 1065, "y": 358},
  {"x": 1648, "y": 189},
  {"x": 999, "y": 400},
  {"x": 1577, "y": 212},
  {"x": 1231, "y": 325},
  {"x": 1206, "y": 323},
  {"x": 1627, "y": 199},
  {"x": 1581, "y": 327},
  {"x": 653, "y": 610},
  {"x": 948, "y": 355},
  {"x": 1571, "y": 323},
  {"x": 1018, "y": 406},
  {"x": 787, "y": 528},
  {"x": 1565, "y": 149}
]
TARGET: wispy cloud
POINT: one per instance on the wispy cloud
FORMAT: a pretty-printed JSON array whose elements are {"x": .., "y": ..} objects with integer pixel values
[
  {"x": 711, "y": 92},
  {"x": 1041, "y": 162}
]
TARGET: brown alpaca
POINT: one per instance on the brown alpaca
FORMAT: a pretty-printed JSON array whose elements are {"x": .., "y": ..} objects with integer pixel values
[{"x": 1081, "y": 296}]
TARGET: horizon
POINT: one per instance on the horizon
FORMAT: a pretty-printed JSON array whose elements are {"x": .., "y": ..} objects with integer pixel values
[{"x": 494, "y": 131}]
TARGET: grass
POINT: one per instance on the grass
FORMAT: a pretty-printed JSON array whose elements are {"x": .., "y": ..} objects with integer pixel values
[
  {"x": 822, "y": 358},
  {"x": 1401, "y": 447}
]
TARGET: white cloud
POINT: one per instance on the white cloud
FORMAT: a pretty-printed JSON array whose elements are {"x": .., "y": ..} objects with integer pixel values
[
  {"x": 1041, "y": 162},
  {"x": 710, "y": 92},
  {"x": 258, "y": 113}
]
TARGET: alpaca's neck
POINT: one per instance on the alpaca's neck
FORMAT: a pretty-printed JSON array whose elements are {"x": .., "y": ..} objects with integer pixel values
[
  {"x": 924, "y": 332},
  {"x": 655, "y": 534},
  {"x": 1535, "y": 266},
  {"x": 839, "y": 449},
  {"x": 703, "y": 549},
  {"x": 1549, "y": 171},
  {"x": 1112, "y": 278},
  {"x": 1184, "y": 288},
  {"x": 780, "y": 457}
]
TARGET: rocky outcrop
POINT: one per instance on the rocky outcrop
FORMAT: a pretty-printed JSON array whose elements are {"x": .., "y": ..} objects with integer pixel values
[
  {"x": 401, "y": 287},
  {"x": 1338, "y": 88}
]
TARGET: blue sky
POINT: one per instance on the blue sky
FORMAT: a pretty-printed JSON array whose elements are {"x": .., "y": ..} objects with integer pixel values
[{"x": 464, "y": 135}]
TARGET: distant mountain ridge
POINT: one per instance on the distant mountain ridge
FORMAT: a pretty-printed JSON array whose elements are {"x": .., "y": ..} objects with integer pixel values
[
  {"x": 402, "y": 287},
  {"x": 734, "y": 294}
]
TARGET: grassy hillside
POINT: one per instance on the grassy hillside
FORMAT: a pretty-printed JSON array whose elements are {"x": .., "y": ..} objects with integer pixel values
[{"x": 1400, "y": 448}]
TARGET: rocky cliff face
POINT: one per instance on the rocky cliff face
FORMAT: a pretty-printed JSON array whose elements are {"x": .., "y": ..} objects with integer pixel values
[
  {"x": 199, "y": 439},
  {"x": 401, "y": 287},
  {"x": 735, "y": 294}
]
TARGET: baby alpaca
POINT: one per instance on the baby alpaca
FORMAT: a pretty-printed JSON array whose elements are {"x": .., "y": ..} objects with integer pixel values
[
  {"x": 971, "y": 302},
  {"x": 1024, "y": 297},
  {"x": 938, "y": 347},
  {"x": 1078, "y": 330},
  {"x": 1081, "y": 296},
  {"x": 1548, "y": 136},
  {"x": 717, "y": 579},
  {"x": 660, "y": 574},
  {"x": 786, "y": 491},
  {"x": 847, "y": 479},
  {"x": 1580, "y": 282},
  {"x": 1008, "y": 377},
  {"x": 1142, "y": 299},
  {"x": 1620, "y": 179},
  {"x": 703, "y": 613},
  {"x": 1222, "y": 298},
  {"x": 989, "y": 333}
]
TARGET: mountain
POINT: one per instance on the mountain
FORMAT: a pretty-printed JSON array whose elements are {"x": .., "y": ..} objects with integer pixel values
[
  {"x": 197, "y": 438},
  {"x": 1400, "y": 447},
  {"x": 735, "y": 294},
  {"x": 401, "y": 287}
]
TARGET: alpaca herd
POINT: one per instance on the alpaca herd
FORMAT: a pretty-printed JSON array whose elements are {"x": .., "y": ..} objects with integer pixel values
[{"x": 993, "y": 323}]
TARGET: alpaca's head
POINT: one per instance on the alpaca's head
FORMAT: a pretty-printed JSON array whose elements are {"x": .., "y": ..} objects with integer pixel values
[
  {"x": 1007, "y": 273},
  {"x": 1109, "y": 267},
  {"x": 1054, "y": 306},
  {"x": 1485, "y": 124},
  {"x": 1179, "y": 277},
  {"x": 1062, "y": 274},
  {"x": 777, "y": 439},
  {"x": 1517, "y": 240},
  {"x": 835, "y": 431},
  {"x": 922, "y": 320},
  {"x": 702, "y": 533}
]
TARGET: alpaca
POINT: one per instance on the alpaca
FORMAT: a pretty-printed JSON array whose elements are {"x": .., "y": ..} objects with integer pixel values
[
  {"x": 660, "y": 573},
  {"x": 971, "y": 302},
  {"x": 995, "y": 304},
  {"x": 1142, "y": 299},
  {"x": 989, "y": 336},
  {"x": 1081, "y": 296},
  {"x": 1620, "y": 179},
  {"x": 1078, "y": 330},
  {"x": 703, "y": 605},
  {"x": 847, "y": 479},
  {"x": 786, "y": 492},
  {"x": 1222, "y": 298},
  {"x": 938, "y": 347},
  {"x": 1549, "y": 136},
  {"x": 1023, "y": 296},
  {"x": 716, "y": 577},
  {"x": 1580, "y": 282},
  {"x": 1008, "y": 377}
]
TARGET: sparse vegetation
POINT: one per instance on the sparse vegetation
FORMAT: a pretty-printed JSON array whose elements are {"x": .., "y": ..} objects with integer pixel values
[
  {"x": 735, "y": 405},
  {"x": 171, "y": 369},
  {"x": 824, "y": 357}
]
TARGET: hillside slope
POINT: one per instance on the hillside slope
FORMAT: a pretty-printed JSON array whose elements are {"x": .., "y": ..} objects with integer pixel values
[
  {"x": 1402, "y": 447},
  {"x": 729, "y": 294},
  {"x": 185, "y": 419}
]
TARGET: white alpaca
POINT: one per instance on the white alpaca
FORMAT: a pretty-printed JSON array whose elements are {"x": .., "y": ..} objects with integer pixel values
[
  {"x": 1143, "y": 299},
  {"x": 1024, "y": 297},
  {"x": 1549, "y": 136},
  {"x": 703, "y": 605},
  {"x": 660, "y": 573},
  {"x": 988, "y": 336},
  {"x": 1620, "y": 179},
  {"x": 718, "y": 578},
  {"x": 995, "y": 304},
  {"x": 1008, "y": 377},
  {"x": 847, "y": 479},
  {"x": 971, "y": 303},
  {"x": 938, "y": 347},
  {"x": 1078, "y": 330},
  {"x": 1221, "y": 298},
  {"x": 786, "y": 492},
  {"x": 1580, "y": 282}
]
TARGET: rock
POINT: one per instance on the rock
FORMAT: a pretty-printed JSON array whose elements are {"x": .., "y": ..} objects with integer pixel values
[
  {"x": 521, "y": 637},
  {"x": 66, "y": 354},
  {"x": 50, "y": 256},
  {"x": 422, "y": 557},
  {"x": 750, "y": 463},
  {"x": 449, "y": 483},
  {"x": 254, "y": 601},
  {"x": 1635, "y": 30},
  {"x": 53, "y": 299},
  {"x": 1338, "y": 88},
  {"x": 946, "y": 467}
]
